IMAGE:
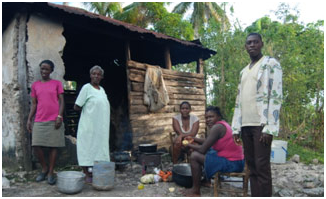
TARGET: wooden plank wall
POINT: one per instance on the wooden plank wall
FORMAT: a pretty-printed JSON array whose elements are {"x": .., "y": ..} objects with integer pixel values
[{"x": 155, "y": 127}]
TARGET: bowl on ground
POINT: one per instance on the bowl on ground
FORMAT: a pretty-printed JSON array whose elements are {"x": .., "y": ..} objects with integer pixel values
[
  {"x": 181, "y": 175},
  {"x": 70, "y": 182}
]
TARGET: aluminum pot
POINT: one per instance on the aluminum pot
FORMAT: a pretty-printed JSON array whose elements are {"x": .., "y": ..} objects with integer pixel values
[
  {"x": 70, "y": 182},
  {"x": 181, "y": 175},
  {"x": 147, "y": 148}
]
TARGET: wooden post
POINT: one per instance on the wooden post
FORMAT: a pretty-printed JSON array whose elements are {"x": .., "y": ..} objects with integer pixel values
[
  {"x": 24, "y": 99},
  {"x": 167, "y": 58},
  {"x": 200, "y": 67},
  {"x": 127, "y": 51}
]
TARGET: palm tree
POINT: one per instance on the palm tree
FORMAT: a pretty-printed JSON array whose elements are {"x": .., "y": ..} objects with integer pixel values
[
  {"x": 107, "y": 9},
  {"x": 142, "y": 13},
  {"x": 202, "y": 12}
]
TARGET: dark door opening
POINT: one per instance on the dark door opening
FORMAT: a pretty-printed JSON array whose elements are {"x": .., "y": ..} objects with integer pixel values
[{"x": 83, "y": 50}]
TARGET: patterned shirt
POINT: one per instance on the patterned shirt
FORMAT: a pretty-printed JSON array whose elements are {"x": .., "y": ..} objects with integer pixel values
[{"x": 268, "y": 97}]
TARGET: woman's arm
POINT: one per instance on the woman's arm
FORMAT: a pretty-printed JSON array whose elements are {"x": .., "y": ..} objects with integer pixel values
[
  {"x": 217, "y": 132},
  {"x": 176, "y": 126},
  {"x": 31, "y": 114},
  {"x": 59, "y": 119},
  {"x": 77, "y": 108}
]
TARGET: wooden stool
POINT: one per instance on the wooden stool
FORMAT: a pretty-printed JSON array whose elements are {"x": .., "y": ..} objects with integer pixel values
[{"x": 245, "y": 178}]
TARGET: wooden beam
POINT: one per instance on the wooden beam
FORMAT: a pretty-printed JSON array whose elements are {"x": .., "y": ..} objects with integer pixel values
[
  {"x": 167, "y": 58},
  {"x": 127, "y": 51},
  {"x": 200, "y": 66}
]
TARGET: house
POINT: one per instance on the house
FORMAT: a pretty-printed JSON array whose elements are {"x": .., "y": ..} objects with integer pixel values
[{"x": 75, "y": 40}]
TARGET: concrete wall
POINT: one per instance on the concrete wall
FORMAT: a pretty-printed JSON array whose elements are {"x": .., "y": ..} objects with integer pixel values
[
  {"x": 10, "y": 94},
  {"x": 45, "y": 41}
]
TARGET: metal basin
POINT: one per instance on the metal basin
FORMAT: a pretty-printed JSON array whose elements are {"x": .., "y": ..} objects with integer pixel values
[
  {"x": 70, "y": 182},
  {"x": 181, "y": 175}
]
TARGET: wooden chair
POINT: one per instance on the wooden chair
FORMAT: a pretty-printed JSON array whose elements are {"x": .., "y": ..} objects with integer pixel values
[
  {"x": 172, "y": 135},
  {"x": 245, "y": 178}
]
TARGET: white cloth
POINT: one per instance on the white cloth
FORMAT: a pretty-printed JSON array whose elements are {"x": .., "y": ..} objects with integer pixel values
[
  {"x": 155, "y": 93},
  {"x": 193, "y": 119},
  {"x": 268, "y": 97},
  {"x": 94, "y": 126}
]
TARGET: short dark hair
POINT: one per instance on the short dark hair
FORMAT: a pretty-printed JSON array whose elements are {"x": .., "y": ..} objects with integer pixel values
[
  {"x": 48, "y": 62},
  {"x": 214, "y": 109},
  {"x": 255, "y": 34},
  {"x": 185, "y": 102}
]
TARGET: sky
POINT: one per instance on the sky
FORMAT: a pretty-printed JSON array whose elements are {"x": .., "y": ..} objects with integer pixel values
[{"x": 249, "y": 11}]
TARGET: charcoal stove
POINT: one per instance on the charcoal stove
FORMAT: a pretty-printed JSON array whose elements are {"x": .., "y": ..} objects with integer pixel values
[
  {"x": 122, "y": 158},
  {"x": 152, "y": 159}
]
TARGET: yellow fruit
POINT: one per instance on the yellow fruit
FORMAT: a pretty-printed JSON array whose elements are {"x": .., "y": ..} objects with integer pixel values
[
  {"x": 171, "y": 189},
  {"x": 140, "y": 186},
  {"x": 185, "y": 142}
]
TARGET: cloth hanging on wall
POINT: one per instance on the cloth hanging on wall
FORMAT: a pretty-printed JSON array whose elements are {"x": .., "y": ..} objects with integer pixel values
[{"x": 155, "y": 93}]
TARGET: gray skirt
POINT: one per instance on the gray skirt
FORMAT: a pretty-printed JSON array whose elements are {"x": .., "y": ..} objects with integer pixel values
[{"x": 44, "y": 134}]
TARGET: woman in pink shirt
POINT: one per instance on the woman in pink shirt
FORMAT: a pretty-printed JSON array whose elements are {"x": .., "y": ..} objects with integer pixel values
[
  {"x": 48, "y": 130},
  {"x": 216, "y": 153}
]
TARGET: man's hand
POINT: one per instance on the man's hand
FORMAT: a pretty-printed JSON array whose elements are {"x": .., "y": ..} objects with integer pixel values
[
  {"x": 237, "y": 140},
  {"x": 266, "y": 139}
]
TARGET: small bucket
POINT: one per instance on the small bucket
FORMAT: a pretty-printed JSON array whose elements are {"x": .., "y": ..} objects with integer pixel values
[
  {"x": 103, "y": 175},
  {"x": 279, "y": 151}
]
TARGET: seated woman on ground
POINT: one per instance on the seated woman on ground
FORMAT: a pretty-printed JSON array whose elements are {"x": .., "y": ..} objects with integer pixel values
[
  {"x": 184, "y": 124},
  {"x": 217, "y": 153}
]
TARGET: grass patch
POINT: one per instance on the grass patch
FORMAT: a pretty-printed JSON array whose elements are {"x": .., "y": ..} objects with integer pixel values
[{"x": 306, "y": 154}]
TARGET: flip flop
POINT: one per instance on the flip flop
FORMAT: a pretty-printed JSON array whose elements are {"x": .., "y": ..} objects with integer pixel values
[
  {"x": 89, "y": 180},
  {"x": 41, "y": 176},
  {"x": 51, "y": 180}
]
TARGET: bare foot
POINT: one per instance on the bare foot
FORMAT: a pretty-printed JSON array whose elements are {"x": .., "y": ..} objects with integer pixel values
[
  {"x": 191, "y": 193},
  {"x": 206, "y": 183}
]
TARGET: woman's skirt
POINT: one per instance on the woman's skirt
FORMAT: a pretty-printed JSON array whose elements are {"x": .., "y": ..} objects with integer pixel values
[
  {"x": 44, "y": 134},
  {"x": 214, "y": 163}
]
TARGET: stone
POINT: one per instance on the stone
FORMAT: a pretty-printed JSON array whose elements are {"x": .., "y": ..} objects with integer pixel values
[
  {"x": 309, "y": 185},
  {"x": 315, "y": 161},
  {"x": 286, "y": 193},
  {"x": 315, "y": 192},
  {"x": 5, "y": 183},
  {"x": 295, "y": 158}
]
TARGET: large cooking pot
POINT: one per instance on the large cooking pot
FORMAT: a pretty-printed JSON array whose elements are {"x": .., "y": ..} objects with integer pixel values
[
  {"x": 181, "y": 175},
  {"x": 147, "y": 148},
  {"x": 70, "y": 182}
]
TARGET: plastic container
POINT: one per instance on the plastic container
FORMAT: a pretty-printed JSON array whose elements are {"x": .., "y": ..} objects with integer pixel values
[
  {"x": 279, "y": 151},
  {"x": 103, "y": 175},
  {"x": 70, "y": 182}
]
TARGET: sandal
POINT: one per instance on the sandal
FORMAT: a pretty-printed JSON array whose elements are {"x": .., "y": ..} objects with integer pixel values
[
  {"x": 51, "y": 180},
  {"x": 89, "y": 180},
  {"x": 41, "y": 176}
]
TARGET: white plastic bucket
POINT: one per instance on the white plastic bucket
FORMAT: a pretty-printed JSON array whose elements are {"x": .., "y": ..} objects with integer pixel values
[{"x": 279, "y": 151}]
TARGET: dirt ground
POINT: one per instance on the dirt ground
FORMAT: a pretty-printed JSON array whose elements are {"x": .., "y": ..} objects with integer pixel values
[{"x": 126, "y": 185}]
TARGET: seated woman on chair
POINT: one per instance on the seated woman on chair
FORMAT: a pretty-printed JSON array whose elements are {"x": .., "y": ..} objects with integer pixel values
[
  {"x": 184, "y": 124},
  {"x": 216, "y": 153}
]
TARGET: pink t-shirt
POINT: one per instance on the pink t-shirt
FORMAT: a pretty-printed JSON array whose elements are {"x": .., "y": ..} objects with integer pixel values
[
  {"x": 226, "y": 147},
  {"x": 47, "y": 96}
]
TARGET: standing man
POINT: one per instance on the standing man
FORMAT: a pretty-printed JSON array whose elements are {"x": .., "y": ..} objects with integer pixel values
[{"x": 256, "y": 113}]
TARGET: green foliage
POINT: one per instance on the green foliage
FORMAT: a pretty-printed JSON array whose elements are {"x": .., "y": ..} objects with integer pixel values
[
  {"x": 201, "y": 13},
  {"x": 172, "y": 24},
  {"x": 107, "y": 9},
  {"x": 306, "y": 154}
]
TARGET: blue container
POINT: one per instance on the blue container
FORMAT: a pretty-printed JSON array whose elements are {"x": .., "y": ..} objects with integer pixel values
[{"x": 103, "y": 175}]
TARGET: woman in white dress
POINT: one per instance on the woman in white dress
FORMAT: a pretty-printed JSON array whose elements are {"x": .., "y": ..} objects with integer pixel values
[{"x": 94, "y": 123}]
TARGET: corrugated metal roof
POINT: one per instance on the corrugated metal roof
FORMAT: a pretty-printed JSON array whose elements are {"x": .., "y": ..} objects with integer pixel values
[
  {"x": 130, "y": 27},
  {"x": 9, "y": 8}
]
